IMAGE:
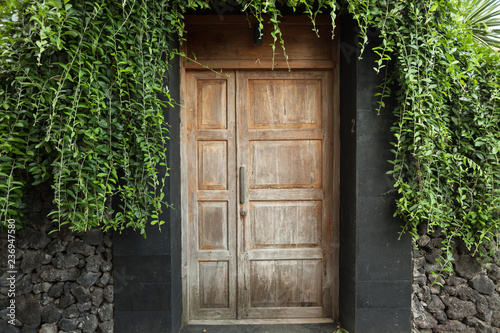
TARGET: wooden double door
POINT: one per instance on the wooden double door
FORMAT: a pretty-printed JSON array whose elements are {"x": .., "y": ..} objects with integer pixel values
[{"x": 261, "y": 235}]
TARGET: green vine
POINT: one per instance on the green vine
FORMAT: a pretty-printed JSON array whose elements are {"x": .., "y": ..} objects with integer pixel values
[
  {"x": 82, "y": 98},
  {"x": 447, "y": 136}
]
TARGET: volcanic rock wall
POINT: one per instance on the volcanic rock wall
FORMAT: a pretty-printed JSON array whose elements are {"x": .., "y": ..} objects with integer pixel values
[
  {"x": 63, "y": 280},
  {"x": 467, "y": 301}
]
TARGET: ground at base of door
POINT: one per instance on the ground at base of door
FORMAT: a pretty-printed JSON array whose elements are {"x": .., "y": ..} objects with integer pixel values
[{"x": 309, "y": 328}]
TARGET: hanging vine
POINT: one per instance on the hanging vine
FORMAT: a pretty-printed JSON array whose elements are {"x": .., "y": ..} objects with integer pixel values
[{"x": 82, "y": 98}]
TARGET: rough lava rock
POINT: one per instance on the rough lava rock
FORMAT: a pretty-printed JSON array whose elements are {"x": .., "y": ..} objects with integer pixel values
[
  {"x": 64, "y": 281},
  {"x": 469, "y": 300},
  {"x": 483, "y": 284}
]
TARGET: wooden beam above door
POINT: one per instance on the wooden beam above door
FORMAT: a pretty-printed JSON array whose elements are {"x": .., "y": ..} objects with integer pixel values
[{"x": 228, "y": 42}]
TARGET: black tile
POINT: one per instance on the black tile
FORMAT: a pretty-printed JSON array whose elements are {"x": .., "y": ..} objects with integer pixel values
[
  {"x": 383, "y": 320},
  {"x": 374, "y": 154},
  {"x": 377, "y": 214},
  {"x": 131, "y": 242},
  {"x": 382, "y": 253},
  {"x": 372, "y": 126},
  {"x": 383, "y": 294},
  {"x": 142, "y": 297},
  {"x": 365, "y": 96},
  {"x": 379, "y": 265},
  {"x": 375, "y": 183},
  {"x": 143, "y": 268},
  {"x": 142, "y": 321}
]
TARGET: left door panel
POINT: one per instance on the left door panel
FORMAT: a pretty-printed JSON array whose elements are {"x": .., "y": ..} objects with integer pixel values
[{"x": 210, "y": 158}]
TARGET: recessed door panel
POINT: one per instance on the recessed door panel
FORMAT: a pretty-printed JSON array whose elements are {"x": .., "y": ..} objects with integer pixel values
[
  {"x": 212, "y": 225},
  {"x": 212, "y": 104},
  {"x": 285, "y": 283},
  {"x": 285, "y": 164},
  {"x": 212, "y": 165},
  {"x": 214, "y": 284},
  {"x": 285, "y": 224},
  {"x": 289, "y": 103}
]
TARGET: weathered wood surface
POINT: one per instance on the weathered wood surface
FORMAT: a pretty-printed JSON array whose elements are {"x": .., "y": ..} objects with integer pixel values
[
  {"x": 230, "y": 43},
  {"x": 286, "y": 232}
]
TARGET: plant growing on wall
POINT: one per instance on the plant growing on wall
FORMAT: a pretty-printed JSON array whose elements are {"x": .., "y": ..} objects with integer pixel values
[
  {"x": 447, "y": 136},
  {"x": 81, "y": 96},
  {"x": 82, "y": 92}
]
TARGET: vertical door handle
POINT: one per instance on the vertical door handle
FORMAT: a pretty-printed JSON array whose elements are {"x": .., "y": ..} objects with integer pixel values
[
  {"x": 242, "y": 184},
  {"x": 242, "y": 189}
]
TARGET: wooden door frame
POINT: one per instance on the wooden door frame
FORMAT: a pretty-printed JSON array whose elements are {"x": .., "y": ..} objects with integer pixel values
[{"x": 264, "y": 64}]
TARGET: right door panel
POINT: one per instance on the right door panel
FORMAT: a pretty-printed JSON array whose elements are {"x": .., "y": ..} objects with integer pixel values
[{"x": 285, "y": 229}]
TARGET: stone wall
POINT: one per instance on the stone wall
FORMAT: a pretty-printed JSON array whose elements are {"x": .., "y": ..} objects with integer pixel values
[
  {"x": 467, "y": 301},
  {"x": 64, "y": 280}
]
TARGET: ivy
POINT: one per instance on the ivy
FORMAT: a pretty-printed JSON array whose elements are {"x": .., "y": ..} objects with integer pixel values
[
  {"x": 81, "y": 107},
  {"x": 82, "y": 98},
  {"x": 447, "y": 136}
]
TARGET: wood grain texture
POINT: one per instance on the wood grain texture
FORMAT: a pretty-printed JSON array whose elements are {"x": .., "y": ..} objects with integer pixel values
[
  {"x": 285, "y": 224},
  {"x": 212, "y": 165},
  {"x": 212, "y": 225},
  {"x": 283, "y": 238},
  {"x": 280, "y": 104},
  {"x": 209, "y": 117},
  {"x": 285, "y": 283},
  {"x": 285, "y": 164},
  {"x": 214, "y": 284},
  {"x": 230, "y": 44},
  {"x": 212, "y": 108}
]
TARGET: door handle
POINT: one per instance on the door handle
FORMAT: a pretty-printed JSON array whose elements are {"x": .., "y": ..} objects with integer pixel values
[{"x": 242, "y": 184}]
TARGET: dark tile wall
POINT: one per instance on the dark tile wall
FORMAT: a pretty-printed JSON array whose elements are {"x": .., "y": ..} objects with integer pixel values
[
  {"x": 147, "y": 271},
  {"x": 375, "y": 266},
  {"x": 348, "y": 190},
  {"x": 174, "y": 198},
  {"x": 142, "y": 276}
]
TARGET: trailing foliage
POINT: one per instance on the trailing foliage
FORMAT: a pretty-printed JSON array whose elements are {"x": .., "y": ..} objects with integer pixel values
[
  {"x": 81, "y": 104},
  {"x": 447, "y": 137},
  {"x": 81, "y": 98}
]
